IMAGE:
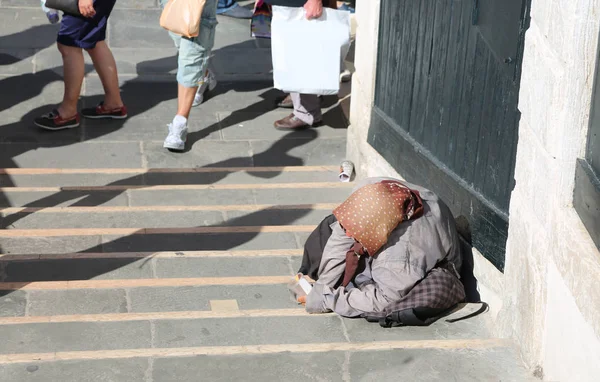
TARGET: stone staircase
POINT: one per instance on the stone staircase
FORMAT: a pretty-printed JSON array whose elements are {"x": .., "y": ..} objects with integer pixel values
[
  {"x": 178, "y": 274},
  {"x": 120, "y": 261}
]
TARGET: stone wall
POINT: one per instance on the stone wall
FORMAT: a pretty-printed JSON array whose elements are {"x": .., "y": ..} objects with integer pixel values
[
  {"x": 552, "y": 300},
  {"x": 548, "y": 299}
]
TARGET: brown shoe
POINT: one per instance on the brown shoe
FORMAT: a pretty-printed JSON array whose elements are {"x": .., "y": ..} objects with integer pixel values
[
  {"x": 286, "y": 102},
  {"x": 291, "y": 122}
]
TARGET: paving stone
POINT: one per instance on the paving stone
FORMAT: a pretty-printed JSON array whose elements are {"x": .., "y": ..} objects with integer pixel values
[
  {"x": 82, "y": 301},
  {"x": 248, "y": 331},
  {"x": 13, "y": 304},
  {"x": 298, "y": 152},
  {"x": 242, "y": 177},
  {"x": 296, "y": 263},
  {"x": 232, "y": 34},
  {"x": 190, "y": 242},
  {"x": 78, "y": 269},
  {"x": 38, "y": 245},
  {"x": 143, "y": 197},
  {"x": 290, "y": 217},
  {"x": 82, "y": 155},
  {"x": 19, "y": 3},
  {"x": 16, "y": 61},
  {"x": 303, "y": 195},
  {"x": 250, "y": 126},
  {"x": 173, "y": 178},
  {"x": 222, "y": 267},
  {"x": 198, "y": 298},
  {"x": 24, "y": 131},
  {"x": 268, "y": 367},
  {"x": 301, "y": 238},
  {"x": 256, "y": 63},
  {"x": 26, "y": 28},
  {"x": 62, "y": 199},
  {"x": 74, "y": 336},
  {"x": 68, "y": 180},
  {"x": 110, "y": 370},
  {"x": 147, "y": 97},
  {"x": 139, "y": 128},
  {"x": 363, "y": 331},
  {"x": 136, "y": 4},
  {"x": 150, "y": 219},
  {"x": 242, "y": 97},
  {"x": 436, "y": 365},
  {"x": 137, "y": 29},
  {"x": 32, "y": 95},
  {"x": 145, "y": 61},
  {"x": 277, "y": 217},
  {"x": 199, "y": 153}
]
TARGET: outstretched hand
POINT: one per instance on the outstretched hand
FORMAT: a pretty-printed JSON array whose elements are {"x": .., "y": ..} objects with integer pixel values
[
  {"x": 314, "y": 9},
  {"x": 302, "y": 300},
  {"x": 86, "y": 7}
]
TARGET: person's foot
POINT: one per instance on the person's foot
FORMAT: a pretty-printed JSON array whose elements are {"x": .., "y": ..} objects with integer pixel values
[
  {"x": 286, "y": 102},
  {"x": 101, "y": 112},
  {"x": 291, "y": 122},
  {"x": 238, "y": 13},
  {"x": 177, "y": 134},
  {"x": 209, "y": 84},
  {"x": 53, "y": 121}
]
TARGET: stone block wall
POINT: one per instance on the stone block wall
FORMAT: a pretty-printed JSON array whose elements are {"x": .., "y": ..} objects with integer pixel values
[{"x": 552, "y": 298}]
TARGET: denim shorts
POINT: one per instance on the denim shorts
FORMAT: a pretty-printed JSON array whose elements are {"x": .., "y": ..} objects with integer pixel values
[
  {"x": 194, "y": 52},
  {"x": 83, "y": 32}
]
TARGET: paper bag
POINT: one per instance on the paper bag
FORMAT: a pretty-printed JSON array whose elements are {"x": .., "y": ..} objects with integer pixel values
[
  {"x": 182, "y": 17},
  {"x": 307, "y": 54}
]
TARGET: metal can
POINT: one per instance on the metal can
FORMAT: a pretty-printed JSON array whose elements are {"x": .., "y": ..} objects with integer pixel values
[{"x": 346, "y": 171}]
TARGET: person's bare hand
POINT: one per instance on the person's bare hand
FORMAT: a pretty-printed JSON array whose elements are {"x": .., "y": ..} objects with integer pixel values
[
  {"x": 302, "y": 300},
  {"x": 86, "y": 7},
  {"x": 314, "y": 9}
]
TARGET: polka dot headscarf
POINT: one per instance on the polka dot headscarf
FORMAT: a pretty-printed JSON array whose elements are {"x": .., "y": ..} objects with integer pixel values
[{"x": 372, "y": 212}]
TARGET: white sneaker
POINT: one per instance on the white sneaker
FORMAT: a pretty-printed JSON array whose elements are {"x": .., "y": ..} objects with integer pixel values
[
  {"x": 177, "y": 136},
  {"x": 209, "y": 83}
]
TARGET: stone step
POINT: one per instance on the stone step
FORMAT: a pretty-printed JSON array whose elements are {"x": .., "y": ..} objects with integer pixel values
[
  {"x": 289, "y": 362},
  {"x": 143, "y": 269},
  {"x": 144, "y": 240},
  {"x": 140, "y": 299},
  {"x": 68, "y": 177},
  {"x": 163, "y": 217},
  {"x": 224, "y": 324},
  {"x": 176, "y": 195}
]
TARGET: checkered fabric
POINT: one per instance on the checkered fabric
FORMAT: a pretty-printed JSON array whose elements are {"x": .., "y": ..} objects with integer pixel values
[{"x": 438, "y": 292}]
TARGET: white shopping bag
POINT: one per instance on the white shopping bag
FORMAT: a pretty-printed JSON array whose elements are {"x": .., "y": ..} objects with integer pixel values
[{"x": 307, "y": 54}]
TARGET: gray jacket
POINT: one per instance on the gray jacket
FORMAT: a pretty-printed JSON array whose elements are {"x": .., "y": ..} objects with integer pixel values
[{"x": 412, "y": 250}]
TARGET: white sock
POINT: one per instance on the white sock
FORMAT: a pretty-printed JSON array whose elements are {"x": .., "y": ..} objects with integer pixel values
[{"x": 179, "y": 121}]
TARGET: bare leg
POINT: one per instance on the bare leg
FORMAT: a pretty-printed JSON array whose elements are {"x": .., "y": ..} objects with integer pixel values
[
  {"x": 73, "y": 72},
  {"x": 185, "y": 98},
  {"x": 105, "y": 65}
]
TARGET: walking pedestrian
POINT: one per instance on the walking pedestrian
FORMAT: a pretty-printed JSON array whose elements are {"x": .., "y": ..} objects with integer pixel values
[
  {"x": 75, "y": 34},
  {"x": 193, "y": 77},
  {"x": 307, "y": 107}
]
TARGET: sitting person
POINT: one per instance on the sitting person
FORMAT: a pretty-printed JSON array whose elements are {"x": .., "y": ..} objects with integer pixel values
[{"x": 385, "y": 238}]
